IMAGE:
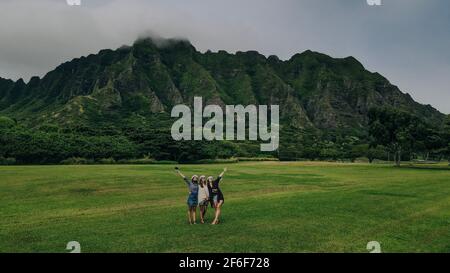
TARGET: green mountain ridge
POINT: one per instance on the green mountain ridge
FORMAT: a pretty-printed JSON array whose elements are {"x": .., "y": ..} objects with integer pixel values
[
  {"x": 312, "y": 89},
  {"x": 136, "y": 86}
]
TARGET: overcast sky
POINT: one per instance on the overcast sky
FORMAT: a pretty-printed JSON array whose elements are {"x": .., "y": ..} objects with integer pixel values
[{"x": 407, "y": 41}]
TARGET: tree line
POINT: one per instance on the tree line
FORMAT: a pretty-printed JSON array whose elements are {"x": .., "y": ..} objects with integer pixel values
[{"x": 392, "y": 135}]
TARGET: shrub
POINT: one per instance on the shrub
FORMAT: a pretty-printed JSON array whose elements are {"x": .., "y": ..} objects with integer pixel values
[
  {"x": 216, "y": 161},
  {"x": 7, "y": 161},
  {"x": 168, "y": 162},
  {"x": 361, "y": 160},
  {"x": 106, "y": 161},
  {"x": 145, "y": 160},
  {"x": 77, "y": 161},
  {"x": 258, "y": 159}
]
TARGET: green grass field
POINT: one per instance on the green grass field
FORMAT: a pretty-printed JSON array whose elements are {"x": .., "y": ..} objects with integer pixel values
[{"x": 269, "y": 207}]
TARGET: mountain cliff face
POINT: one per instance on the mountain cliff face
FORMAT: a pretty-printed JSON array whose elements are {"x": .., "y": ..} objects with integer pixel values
[{"x": 313, "y": 90}]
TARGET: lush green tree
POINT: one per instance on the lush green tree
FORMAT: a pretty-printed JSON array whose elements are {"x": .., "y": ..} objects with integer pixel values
[
  {"x": 446, "y": 138},
  {"x": 6, "y": 123},
  {"x": 346, "y": 146},
  {"x": 329, "y": 151},
  {"x": 397, "y": 130}
]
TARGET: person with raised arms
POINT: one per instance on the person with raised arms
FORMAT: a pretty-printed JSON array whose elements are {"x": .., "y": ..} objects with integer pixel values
[
  {"x": 192, "y": 200},
  {"x": 216, "y": 195}
]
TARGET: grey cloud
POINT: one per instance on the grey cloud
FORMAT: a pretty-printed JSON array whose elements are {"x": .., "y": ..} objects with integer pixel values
[{"x": 405, "y": 40}]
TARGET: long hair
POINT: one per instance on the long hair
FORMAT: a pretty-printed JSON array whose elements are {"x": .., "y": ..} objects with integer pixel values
[
  {"x": 202, "y": 181},
  {"x": 192, "y": 178},
  {"x": 210, "y": 180}
]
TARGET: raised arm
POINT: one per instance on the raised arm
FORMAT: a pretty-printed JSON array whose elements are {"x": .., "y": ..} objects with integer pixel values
[
  {"x": 177, "y": 171},
  {"x": 224, "y": 171}
]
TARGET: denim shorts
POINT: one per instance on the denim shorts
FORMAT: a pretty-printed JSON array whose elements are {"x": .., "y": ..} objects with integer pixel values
[{"x": 192, "y": 200}]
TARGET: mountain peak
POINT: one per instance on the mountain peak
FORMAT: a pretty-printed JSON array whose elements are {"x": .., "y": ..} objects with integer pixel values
[
  {"x": 6, "y": 80},
  {"x": 350, "y": 60},
  {"x": 161, "y": 43},
  {"x": 310, "y": 54}
]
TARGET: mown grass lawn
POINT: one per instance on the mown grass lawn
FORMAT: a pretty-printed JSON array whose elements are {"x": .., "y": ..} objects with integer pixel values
[{"x": 269, "y": 207}]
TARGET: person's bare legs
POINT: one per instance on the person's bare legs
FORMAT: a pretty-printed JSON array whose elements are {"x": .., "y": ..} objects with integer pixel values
[
  {"x": 194, "y": 215},
  {"x": 218, "y": 207},
  {"x": 205, "y": 209},
  {"x": 202, "y": 214},
  {"x": 189, "y": 216}
]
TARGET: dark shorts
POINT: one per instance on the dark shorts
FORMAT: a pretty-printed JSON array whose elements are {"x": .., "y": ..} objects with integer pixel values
[{"x": 216, "y": 198}]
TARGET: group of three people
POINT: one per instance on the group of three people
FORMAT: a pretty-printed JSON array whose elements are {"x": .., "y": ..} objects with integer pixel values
[{"x": 202, "y": 192}]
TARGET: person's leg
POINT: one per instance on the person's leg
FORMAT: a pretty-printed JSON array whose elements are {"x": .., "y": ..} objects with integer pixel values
[
  {"x": 218, "y": 211},
  {"x": 202, "y": 215},
  {"x": 194, "y": 215},
  {"x": 215, "y": 209},
  {"x": 189, "y": 215},
  {"x": 205, "y": 209}
]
